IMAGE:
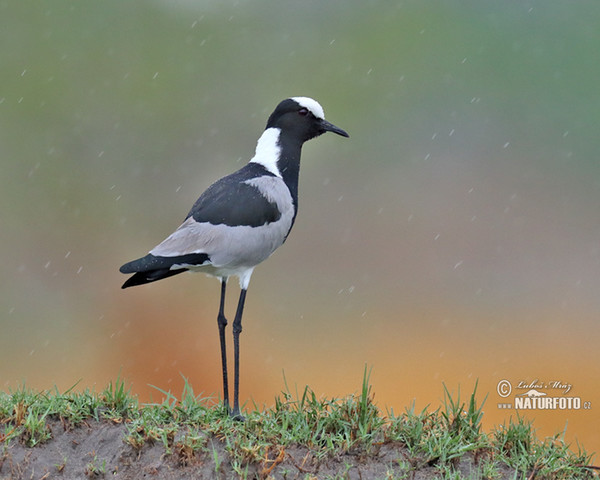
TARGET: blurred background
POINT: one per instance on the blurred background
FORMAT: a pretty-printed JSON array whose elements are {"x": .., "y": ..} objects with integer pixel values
[{"x": 454, "y": 237}]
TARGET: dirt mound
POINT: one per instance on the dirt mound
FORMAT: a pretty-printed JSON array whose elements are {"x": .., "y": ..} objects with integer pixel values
[{"x": 97, "y": 449}]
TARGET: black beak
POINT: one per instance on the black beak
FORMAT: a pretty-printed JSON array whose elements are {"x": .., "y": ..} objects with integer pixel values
[{"x": 330, "y": 127}]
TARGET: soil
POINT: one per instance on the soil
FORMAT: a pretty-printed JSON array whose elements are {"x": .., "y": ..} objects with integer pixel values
[{"x": 97, "y": 449}]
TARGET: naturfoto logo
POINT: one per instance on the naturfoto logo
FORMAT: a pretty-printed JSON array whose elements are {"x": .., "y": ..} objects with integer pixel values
[{"x": 539, "y": 395}]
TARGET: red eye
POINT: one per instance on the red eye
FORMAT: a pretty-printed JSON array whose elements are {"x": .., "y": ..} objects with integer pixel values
[{"x": 303, "y": 112}]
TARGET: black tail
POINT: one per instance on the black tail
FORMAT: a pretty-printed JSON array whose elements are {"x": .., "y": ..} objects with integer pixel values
[
  {"x": 152, "y": 268},
  {"x": 140, "y": 278}
]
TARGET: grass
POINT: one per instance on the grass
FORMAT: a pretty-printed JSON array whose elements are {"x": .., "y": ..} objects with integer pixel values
[{"x": 326, "y": 428}]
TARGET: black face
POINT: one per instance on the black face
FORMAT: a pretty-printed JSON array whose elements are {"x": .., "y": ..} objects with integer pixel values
[{"x": 295, "y": 120}]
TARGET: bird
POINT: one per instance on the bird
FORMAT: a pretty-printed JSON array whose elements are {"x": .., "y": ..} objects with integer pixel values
[{"x": 240, "y": 220}]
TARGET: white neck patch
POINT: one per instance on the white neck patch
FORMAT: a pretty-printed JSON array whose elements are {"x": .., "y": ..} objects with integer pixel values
[
  {"x": 315, "y": 108},
  {"x": 267, "y": 150}
]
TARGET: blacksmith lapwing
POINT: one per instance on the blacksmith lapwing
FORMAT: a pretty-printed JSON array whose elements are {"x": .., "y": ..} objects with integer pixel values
[{"x": 241, "y": 219}]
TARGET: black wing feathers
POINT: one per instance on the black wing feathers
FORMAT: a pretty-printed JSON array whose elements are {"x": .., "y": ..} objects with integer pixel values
[{"x": 230, "y": 201}]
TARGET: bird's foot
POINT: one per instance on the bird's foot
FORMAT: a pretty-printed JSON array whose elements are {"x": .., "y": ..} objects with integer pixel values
[
  {"x": 226, "y": 408},
  {"x": 236, "y": 415}
]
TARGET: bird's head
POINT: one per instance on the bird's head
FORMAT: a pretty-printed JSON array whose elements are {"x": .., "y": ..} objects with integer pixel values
[{"x": 303, "y": 118}]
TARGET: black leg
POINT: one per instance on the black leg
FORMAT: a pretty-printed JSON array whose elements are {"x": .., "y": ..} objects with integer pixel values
[
  {"x": 222, "y": 322},
  {"x": 237, "y": 329}
]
